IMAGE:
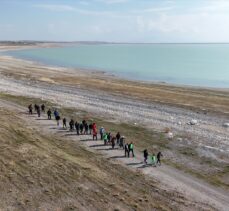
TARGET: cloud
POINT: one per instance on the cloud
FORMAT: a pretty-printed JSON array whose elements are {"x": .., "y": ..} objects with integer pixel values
[
  {"x": 153, "y": 9},
  {"x": 55, "y": 7},
  {"x": 196, "y": 27},
  {"x": 64, "y": 8},
  {"x": 146, "y": 20},
  {"x": 215, "y": 6},
  {"x": 113, "y": 1}
]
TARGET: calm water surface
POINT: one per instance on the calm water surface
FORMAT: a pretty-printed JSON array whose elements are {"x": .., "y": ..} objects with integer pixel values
[{"x": 189, "y": 64}]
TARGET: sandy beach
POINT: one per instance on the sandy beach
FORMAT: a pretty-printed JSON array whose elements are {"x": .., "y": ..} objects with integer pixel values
[{"x": 195, "y": 117}]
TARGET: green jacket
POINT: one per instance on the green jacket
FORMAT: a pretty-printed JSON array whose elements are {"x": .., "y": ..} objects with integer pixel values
[
  {"x": 105, "y": 137},
  {"x": 154, "y": 158}
]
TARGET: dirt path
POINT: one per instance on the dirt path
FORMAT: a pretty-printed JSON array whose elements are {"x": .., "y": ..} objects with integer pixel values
[{"x": 168, "y": 177}]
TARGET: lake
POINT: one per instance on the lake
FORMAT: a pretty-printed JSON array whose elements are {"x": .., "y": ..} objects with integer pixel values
[{"x": 204, "y": 65}]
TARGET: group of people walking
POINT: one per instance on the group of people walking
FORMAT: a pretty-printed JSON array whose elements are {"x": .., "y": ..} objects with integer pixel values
[
  {"x": 37, "y": 109},
  {"x": 85, "y": 128},
  {"x": 155, "y": 159}
]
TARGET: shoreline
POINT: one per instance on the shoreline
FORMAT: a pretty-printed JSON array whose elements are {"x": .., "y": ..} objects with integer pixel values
[
  {"x": 118, "y": 76},
  {"x": 72, "y": 76}
]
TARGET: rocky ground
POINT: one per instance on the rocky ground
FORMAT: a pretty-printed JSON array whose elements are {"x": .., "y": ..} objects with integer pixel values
[{"x": 207, "y": 135}]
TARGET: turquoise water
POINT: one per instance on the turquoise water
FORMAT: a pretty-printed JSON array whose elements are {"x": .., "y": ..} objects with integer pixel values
[{"x": 189, "y": 64}]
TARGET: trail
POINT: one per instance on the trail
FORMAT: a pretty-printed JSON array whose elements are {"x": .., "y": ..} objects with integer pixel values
[{"x": 168, "y": 177}]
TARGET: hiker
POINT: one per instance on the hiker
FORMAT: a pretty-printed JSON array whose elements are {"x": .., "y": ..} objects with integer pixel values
[
  {"x": 64, "y": 123},
  {"x": 81, "y": 128},
  {"x": 43, "y": 108},
  {"x": 57, "y": 120},
  {"x": 122, "y": 142},
  {"x": 94, "y": 134},
  {"x": 77, "y": 126},
  {"x": 154, "y": 160},
  {"x": 90, "y": 128},
  {"x": 85, "y": 128},
  {"x": 113, "y": 142},
  {"x": 118, "y": 136},
  {"x": 71, "y": 125},
  {"x": 159, "y": 155},
  {"x": 105, "y": 138},
  {"x": 57, "y": 116},
  {"x": 145, "y": 154},
  {"x": 127, "y": 150},
  {"x": 30, "y": 107},
  {"x": 35, "y": 107},
  {"x": 94, "y": 127},
  {"x": 55, "y": 113},
  {"x": 109, "y": 138},
  {"x": 38, "y": 111},
  {"x": 131, "y": 149},
  {"x": 49, "y": 113},
  {"x": 94, "y": 131},
  {"x": 101, "y": 131}
]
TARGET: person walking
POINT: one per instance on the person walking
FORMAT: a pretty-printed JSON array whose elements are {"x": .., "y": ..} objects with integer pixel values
[
  {"x": 77, "y": 126},
  {"x": 122, "y": 142},
  {"x": 86, "y": 128},
  {"x": 101, "y": 131},
  {"x": 55, "y": 113},
  {"x": 94, "y": 134},
  {"x": 71, "y": 125},
  {"x": 38, "y": 111},
  {"x": 127, "y": 150},
  {"x": 131, "y": 149},
  {"x": 57, "y": 116},
  {"x": 108, "y": 138},
  {"x": 49, "y": 113},
  {"x": 58, "y": 120},
  {"x": 118, "y": 136},
  {"x": 113, "y": 142},
  {"x": 30, "y": 107},
  {"x": 154, "y": 160},
  {"x": 35, "y": 107},
  {"x": 94, "y": 127},
  {"x": 105, "y": 138},
  {"x": 90, "y": 128},
  {"x": 81, "y": 128},
  {"x": 43, "y": 108},
  {"x": 64, "y": 123},
  {"x": 145, "y": 154},
  {"x": 159, "y": 155}
]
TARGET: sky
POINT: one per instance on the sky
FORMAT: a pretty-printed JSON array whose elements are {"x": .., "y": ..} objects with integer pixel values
[{"x": 115, "y": 20}]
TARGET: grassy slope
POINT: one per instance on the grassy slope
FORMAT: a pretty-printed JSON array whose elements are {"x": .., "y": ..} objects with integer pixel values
[
  {"x": 42, "y": 171},
  {"x": 152, "y": 140}
]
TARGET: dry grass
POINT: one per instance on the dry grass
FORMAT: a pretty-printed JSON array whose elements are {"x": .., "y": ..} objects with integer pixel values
[
  {"x": 143, "y": 138},
  {"x": 40, "y": 171}
]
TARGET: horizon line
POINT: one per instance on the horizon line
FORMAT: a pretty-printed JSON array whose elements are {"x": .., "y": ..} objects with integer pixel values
[{"x": 106, "y": 42}]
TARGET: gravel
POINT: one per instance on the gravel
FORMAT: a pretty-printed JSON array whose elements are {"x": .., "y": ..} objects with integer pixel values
[{"x": 208, "y": 132}]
